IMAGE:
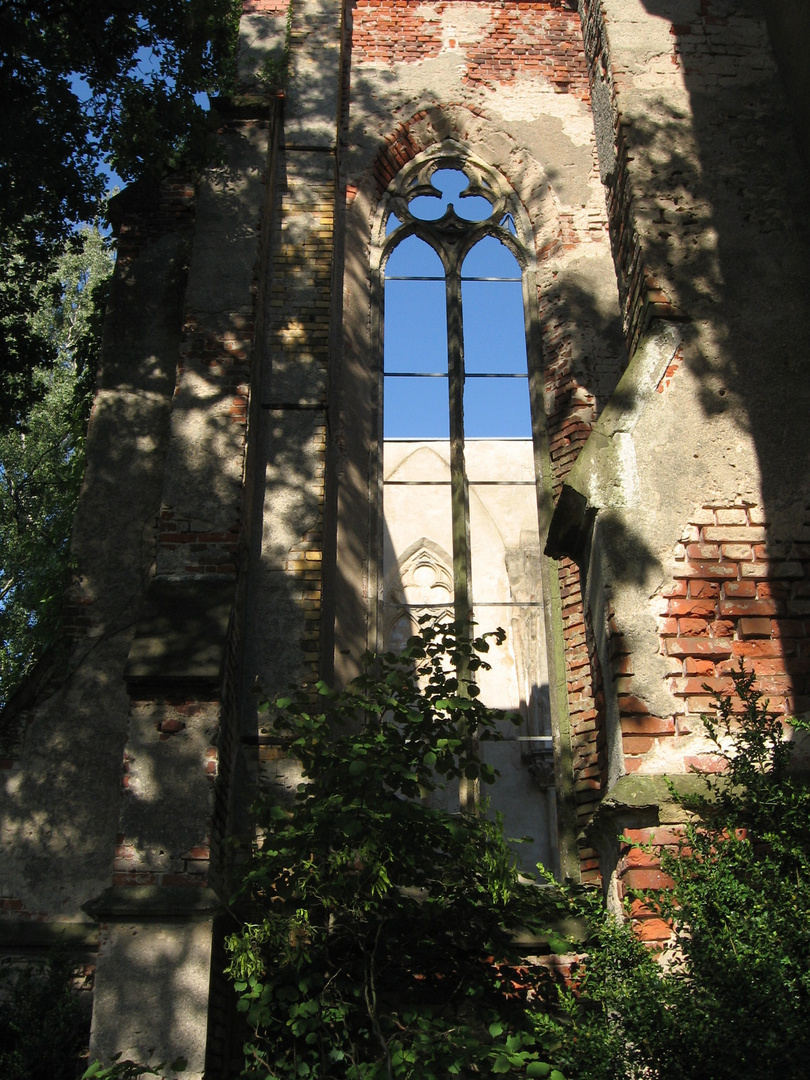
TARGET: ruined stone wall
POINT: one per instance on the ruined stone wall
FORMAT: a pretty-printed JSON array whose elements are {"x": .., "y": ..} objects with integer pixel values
[
  {"x": 226, "y": 530},
  {"x": 509, "y": 82},
  {"x": 692, "y": 524}
]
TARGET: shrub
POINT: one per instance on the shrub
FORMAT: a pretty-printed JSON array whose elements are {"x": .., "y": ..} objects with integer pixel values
[
  {"x": 43, "y": 1026},
  {"x": 733, "y": 998},
  {"x": 381, "y": 940}
]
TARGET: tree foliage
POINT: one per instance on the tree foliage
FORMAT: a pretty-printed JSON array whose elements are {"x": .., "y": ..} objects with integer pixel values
[
  {"x": 86, "y": 81},
  {"x": 732, "y": 997},
  {"x": 381, "y": 932},
  {"x": 141, "y": 64},
  {"x": 82, "y": 82},
  {"x": 42, "y": 458},
  {"x": 43, "y": 1026}
]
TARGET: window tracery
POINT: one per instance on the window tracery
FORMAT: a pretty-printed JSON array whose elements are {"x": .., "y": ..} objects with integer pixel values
[{"x": 459, "y": 447}]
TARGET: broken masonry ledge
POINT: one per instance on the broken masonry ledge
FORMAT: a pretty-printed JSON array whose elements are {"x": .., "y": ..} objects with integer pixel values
[
  {"x": 644, "y": 801},
  {"x": 603, "y": 475},
  {"x": 153, "y": 903}
]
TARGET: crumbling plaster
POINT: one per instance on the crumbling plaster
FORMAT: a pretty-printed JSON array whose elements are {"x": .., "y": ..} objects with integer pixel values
[
  {"x": 543, "y": 143},
  {"x": 711, "y": 410},
  {"x": 721, "y": 232}
]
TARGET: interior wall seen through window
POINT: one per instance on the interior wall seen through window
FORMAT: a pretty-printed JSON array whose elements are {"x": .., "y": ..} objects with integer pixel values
[{"x": 460, "y": 524}]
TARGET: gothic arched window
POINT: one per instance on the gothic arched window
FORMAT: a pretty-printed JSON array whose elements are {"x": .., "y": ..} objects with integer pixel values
[{"x": 460, "y": 496}]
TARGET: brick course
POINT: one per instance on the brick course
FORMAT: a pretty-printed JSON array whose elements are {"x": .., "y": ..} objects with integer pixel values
[
  {"x": 538, "y": 39},
  {"x": 738, "y": 594}
]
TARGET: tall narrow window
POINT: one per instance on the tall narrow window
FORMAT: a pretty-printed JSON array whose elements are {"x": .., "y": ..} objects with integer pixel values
[{"x": 460, "y": 534}]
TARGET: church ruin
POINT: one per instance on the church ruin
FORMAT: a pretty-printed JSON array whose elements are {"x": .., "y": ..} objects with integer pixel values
[{"x": 498, "y": 307}]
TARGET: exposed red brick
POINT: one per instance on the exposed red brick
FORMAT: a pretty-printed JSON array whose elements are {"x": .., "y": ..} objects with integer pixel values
[
  {"x": 639, "y": 878},
  {"x": 705, "y": 763},
  {"x": 647, "y": 725},
  {"x": 652, "y": 930}
]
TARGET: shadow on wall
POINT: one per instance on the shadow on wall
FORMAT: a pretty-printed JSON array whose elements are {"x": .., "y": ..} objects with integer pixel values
[
  {"x": 579, "y": 324},
  {"x": 728, "y": 227},
  {"x": 60, "y": 799},
  {"x": 158, "y": 973}
]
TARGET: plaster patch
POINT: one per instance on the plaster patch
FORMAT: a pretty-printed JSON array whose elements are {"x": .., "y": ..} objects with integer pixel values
[
  {"x": 423, "y": 83},
  {"x": 532, "y": 96},
  {"x": 146, "y": 444},
  {"x": 383, "y": 88},
  {"x": 428, "y": 12},
  {"x": 662, "y": 73},
  {"x": 635, "y": 37},
  {"x": 463, "y": 25},
  {"x": 613, "y": 477}
]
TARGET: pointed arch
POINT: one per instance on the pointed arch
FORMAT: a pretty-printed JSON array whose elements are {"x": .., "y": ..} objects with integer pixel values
[{"x": 387, "y": 502}]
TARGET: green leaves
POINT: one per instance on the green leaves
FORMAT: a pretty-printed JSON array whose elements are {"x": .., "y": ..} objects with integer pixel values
[
  {"x": 43, "y": 1027},
  {"x": 131, "y": 1070},
  {"x": 378, "y": 923},
  {"x": 42, "y": 461},
  {"x": 734, "y": 997},
  {"x": 84, "y": 83}
]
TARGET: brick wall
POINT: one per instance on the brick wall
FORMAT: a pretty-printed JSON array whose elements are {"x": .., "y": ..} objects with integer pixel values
[
  {"x": 639, "y": 867},
  {"x": 643, "y": 294},
  {"x": 298, "y": 333},
  {"x": 146, "y": 215},
  {"x": 538, "y": 39},
  {"x": 586, "y": 709},
  {"x": 740, "y": 593}
]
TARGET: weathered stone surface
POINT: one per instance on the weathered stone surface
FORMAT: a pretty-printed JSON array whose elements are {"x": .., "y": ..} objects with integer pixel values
[
  {"x": 180, "y": 642},
  {"x": 234, "y": 447},
  {"x": 151, "y": 999}
]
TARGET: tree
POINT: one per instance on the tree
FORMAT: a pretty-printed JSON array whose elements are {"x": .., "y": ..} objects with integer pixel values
[
  {"x": 84, "y": 82},
  {"x": 43, "y": 1024},
  {"x": 382, "y": 931},
  {"x": 733, "y": 996},
  {"x": 42, "y": 459}
]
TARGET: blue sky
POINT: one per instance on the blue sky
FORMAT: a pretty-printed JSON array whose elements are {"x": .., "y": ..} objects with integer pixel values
[{"x": 416, "y": 389}]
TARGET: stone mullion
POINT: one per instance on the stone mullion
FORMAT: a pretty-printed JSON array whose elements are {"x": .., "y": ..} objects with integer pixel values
[{"x": 460, "y": 500}]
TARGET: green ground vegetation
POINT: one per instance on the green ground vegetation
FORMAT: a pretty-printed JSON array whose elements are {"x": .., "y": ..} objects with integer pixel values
[
  {"x": 43, "y": 1022},
  {"x": 381, "y": 934},
  {"x": 730, "y": 996}
]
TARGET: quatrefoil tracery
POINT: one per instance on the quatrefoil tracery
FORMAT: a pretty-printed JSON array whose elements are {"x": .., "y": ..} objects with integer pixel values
[{"x": 447, "y": 201}]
